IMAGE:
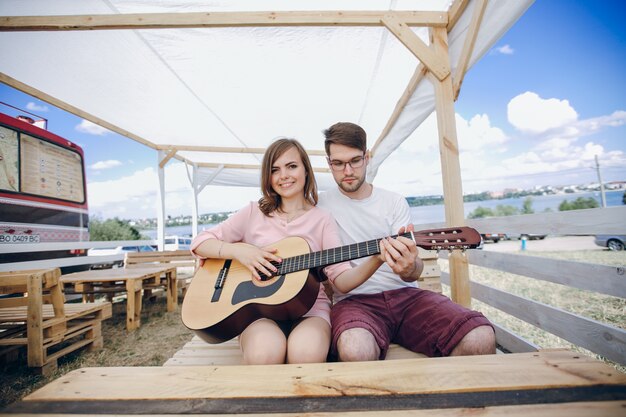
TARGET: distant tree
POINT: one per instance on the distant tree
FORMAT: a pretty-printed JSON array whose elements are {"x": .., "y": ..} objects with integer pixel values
[
  {"x": 500, "y": 210},
  {"x": 485, "y": 195},
  {"x": 480, "y": 212},
  {"x": 111, "y": 229},
  {"x": 505, "y": 210},
  {"x": 527, "y": 207},
  {"x": 579, "y": 204}
]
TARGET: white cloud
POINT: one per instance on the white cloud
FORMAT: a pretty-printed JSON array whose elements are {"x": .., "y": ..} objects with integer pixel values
[
  {"x": 478, "y": 134},
  {"x": 36, "y": 107},
  {"x": 415, "y": 168},
  {"x": 111, "y": 163},
  {"x": 490, "y": 160},
  {"x": 504, "y": 50},
  {"x": 135, "y": 196},
  {"x": 594, "y": 125},
  {"x": 90, "y": 128},
  {"x": 590, "y": 150},
  {"x": 532, "y": 114}
]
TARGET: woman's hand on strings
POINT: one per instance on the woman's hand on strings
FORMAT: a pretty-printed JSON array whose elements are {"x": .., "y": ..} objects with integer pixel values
[{"x": 258, "y": 260}]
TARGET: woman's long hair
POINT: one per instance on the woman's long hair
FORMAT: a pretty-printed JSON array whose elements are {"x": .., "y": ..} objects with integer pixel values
[{"x": 271, "y": 200}]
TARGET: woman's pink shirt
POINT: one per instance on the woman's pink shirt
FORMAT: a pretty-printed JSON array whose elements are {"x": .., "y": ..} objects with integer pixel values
[{"x": 250, "y": 225}]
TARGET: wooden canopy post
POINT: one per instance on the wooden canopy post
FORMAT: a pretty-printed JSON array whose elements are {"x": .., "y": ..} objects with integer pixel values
[
  {"x": 161, "y": 155},
  {"x": 451, "y": 169},
  {"x": 194, "y": 205}
]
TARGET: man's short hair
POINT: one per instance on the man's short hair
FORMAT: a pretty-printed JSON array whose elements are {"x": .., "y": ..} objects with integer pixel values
[{"x": 347, "y": 134}]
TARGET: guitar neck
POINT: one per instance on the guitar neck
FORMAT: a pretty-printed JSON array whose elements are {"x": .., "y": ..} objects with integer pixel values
[{"x": 333, "y": 256}]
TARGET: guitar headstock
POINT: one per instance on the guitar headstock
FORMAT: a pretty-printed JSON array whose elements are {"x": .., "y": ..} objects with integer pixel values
[{"x": 448, "y": 238}]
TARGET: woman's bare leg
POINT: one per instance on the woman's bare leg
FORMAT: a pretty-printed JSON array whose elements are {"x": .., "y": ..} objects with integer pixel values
[{"x": 263, "y": 343}]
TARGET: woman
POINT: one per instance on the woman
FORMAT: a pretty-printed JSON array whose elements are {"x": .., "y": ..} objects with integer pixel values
[{"x": 287, "y": 208}]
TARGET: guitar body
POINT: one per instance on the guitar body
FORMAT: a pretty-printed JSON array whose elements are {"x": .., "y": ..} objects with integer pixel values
[
  {"x": 223, "y": 298},
  {"x": 218, "y": 316}
]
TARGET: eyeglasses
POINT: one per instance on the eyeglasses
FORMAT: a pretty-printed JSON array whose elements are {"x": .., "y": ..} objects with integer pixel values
[{"x": 336, "y": 165}]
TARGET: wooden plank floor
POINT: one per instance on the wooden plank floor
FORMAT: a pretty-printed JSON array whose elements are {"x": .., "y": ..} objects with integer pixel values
[
  {"x": 198, "y": 352},
  {"x": 579, "y": 409},
  {"x": 535, "y": 383}
]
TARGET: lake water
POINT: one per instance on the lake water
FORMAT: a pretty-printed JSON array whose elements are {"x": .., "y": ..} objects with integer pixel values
[{"x": 435, "y": 214}]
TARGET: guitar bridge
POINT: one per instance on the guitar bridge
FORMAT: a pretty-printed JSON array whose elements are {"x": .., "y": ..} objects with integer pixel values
[{"x": 219, "y": 282}]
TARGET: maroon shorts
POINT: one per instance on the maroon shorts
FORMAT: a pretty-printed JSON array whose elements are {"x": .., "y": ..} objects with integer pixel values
[{"x": 420, "y": 320}]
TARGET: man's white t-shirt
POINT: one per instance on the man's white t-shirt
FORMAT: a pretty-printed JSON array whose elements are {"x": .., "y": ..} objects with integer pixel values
[{"x": 380, "y": 215}]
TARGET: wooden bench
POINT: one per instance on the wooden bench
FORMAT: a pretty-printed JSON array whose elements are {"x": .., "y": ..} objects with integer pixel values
[
  {"x": 178, "y": 258},
  {"x": 198, "y": 352},
  {"x": 33, "y": 313},
  {"x": 545, "y": 383}
]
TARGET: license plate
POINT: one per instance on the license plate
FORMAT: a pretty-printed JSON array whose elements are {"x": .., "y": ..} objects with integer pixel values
[{"x": 7, "y": 238}]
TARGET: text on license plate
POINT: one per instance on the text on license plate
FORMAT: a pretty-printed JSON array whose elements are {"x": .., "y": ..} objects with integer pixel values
[{"x": 7, "y": 238}]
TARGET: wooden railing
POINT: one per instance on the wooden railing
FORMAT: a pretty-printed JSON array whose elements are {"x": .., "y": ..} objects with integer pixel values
[{"x": 600, "y": 338}]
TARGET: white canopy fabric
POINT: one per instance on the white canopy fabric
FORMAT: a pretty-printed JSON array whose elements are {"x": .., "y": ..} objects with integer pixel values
[{"x": 239, "y": 86}]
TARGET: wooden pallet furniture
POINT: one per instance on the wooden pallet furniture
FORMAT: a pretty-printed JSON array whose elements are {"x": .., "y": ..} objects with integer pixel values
[
  {"x": 129, "y": 281},
  {"x": 178, "y": 258},
  {"x": 198, "y": 352},
  {"x": 33, "y": 314},
  {"x": 545, "y": 383}
]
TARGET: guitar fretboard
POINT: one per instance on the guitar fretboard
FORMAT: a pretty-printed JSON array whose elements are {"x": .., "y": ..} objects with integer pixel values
[{"x": 332, "y": 256}]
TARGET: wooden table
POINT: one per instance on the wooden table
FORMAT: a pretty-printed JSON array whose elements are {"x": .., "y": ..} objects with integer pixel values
[{"x": 130, "y": 280}]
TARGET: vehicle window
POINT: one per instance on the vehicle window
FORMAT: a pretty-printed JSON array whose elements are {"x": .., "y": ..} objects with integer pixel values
[
  {"x": 9, "y": 178},
  {"x": 170, "y": 241},
  {"x": 49, "y": 170},
  {"x": 181, "y": 241}
]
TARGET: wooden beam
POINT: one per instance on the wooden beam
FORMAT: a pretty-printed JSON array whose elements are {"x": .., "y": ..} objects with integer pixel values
[
  {"x": 246, "y": 166},
  {"x": 225, "y": 149},
  {"x": 468, "y": 46},
  {"x": 71, "y": 109},
  {"x": 433, "y": 61},
  {"x": 217, "y": 19},
  {"x": 333, "y": 388},
  {"x": 418, "y": 75},
  {"x": 455, "y": 12},
  {"x": 167, "y": 158},
  {"x": 607, "y": 279},
  {"x": 451, "y": 171}
]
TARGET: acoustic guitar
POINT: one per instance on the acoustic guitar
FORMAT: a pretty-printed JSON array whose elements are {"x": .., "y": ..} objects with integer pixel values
[{"x": 224, "y": 297}]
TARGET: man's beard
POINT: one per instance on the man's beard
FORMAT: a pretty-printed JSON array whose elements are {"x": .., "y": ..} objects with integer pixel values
[{"x": 350, "y": 188}]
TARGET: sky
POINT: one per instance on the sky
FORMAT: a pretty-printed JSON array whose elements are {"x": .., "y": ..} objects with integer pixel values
[{"x": 534, "y": 111}]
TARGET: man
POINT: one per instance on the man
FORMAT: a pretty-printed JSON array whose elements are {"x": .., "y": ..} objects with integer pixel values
[{"x": 388, "y": 307}]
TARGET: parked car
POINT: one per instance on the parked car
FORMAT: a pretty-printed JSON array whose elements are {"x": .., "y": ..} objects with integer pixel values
[
  {"x": 177, "y": 243},
  {"x": 528, "y": 236},
  {"x": 494, "y": 237},
  {"x": 115, "y": 251},
  {"x": 613, "y": 242}
]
